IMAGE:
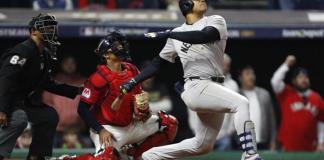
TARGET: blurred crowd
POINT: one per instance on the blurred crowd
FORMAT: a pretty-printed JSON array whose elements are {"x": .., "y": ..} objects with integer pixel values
[
  {"x": 299, "y": 109},
  {"x": 160, "y": 4}
]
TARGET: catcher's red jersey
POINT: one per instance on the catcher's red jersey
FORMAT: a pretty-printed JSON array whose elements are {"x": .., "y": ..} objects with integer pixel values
[
  {"x": 102, "y": 88},
  {"x": 298, "y": 130}
]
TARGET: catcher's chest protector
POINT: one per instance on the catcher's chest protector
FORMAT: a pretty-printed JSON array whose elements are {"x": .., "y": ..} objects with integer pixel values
[{"x": 116, "y": 79}]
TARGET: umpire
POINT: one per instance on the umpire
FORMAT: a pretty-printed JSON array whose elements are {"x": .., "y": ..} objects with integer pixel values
[{"x": 25, "y": 72}]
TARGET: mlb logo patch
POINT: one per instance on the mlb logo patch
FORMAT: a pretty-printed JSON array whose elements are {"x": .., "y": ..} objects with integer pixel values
[{"x": 86, "y": 93}]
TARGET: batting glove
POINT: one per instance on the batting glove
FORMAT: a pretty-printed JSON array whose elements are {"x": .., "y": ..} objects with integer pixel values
[
  {"x": 159, "y": 35},
  {"x": 127, "y": 87}
]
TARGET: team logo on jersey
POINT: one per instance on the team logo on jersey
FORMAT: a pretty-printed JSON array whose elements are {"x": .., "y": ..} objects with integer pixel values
[
  {"x": 86, "y": 93},
  {"x": 185, "y": 47},
  {"x": 297, "y": 106}
]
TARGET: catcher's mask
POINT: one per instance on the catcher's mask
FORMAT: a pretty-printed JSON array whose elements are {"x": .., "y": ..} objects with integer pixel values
[
  {"x": 46, "y": 24},
  {"x": 118, "y": 44}
]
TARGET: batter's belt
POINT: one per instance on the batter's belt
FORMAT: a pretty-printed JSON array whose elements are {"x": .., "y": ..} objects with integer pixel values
[{"x": 218, "y": 79}]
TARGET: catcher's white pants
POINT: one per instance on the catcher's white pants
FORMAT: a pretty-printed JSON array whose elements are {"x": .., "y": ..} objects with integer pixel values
[
  {"x": 133, "y": 133},
  {"x": 209, "y": 101}
]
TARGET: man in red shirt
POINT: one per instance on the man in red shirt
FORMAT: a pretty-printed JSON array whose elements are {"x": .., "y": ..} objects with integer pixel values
[
  {"x": 125, "y": 128},
  {"x": 301, "y": 108}
]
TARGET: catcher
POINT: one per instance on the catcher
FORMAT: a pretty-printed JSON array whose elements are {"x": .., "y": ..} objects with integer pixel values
[{"x": 123, "y": 124}]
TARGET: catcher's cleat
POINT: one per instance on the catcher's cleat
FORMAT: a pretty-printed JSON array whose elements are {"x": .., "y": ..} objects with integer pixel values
[{"x": 109, "y": 153}]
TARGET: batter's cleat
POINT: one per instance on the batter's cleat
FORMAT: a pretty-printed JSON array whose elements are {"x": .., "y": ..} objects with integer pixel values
[
  {"x": 251, "y": 157},
  {"x": 248, "y": 142}
]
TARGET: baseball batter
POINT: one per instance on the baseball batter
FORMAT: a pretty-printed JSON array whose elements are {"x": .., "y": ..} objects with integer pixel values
[
  {"x": 200, "y": 43},
  {"x": 125, "y": 126}
]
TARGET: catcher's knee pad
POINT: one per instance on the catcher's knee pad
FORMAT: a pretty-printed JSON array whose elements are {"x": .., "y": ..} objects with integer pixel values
[
  {"x": 168, "y": 129},
  {"x": 168, "y": 124}
]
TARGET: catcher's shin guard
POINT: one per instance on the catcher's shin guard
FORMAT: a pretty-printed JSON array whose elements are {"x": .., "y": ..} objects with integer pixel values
[
  {"x": 109, "y": 153},
  {"x": 168, "y": 124},
  {"x": 248, "y": 139},
  {"x": 168, "y": 130}
]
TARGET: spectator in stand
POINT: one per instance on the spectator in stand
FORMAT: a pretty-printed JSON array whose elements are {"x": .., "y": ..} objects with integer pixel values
[
  {"x": 297, "y": 4},
  {"x": 301, "y": 108},
  {"x": 25, "y": 139},
  {"x": 138, "y": 4},
  {"x": 71, "y": 139},
  {"x": 53, "y": 4},
  {"x": 158, "y": 94},
  {"x": 229, "y": 81},
  {"x": 97, "y": 4},
  {"x": 16, "y": 3},
  {"x": 120, "y": 4},
  {"x": 261, "y": 109},
  {"x": 172, "y": 5},
  {"x": 320, "y": 146},
  {"x": 65, "y": 107}
]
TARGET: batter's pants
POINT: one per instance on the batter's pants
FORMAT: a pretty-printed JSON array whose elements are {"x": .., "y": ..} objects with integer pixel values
[{"x": 209, "y": 101}]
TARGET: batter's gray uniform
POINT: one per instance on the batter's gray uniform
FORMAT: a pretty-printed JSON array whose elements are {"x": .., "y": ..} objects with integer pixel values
[{"x": 210, "y": 100}]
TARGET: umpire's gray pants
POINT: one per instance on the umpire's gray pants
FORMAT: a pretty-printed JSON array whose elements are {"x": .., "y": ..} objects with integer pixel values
[{"x": 17, "y": 122}]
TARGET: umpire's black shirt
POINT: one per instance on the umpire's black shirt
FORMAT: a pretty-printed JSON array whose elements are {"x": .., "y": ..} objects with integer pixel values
[{"x": 24, "y": 73}]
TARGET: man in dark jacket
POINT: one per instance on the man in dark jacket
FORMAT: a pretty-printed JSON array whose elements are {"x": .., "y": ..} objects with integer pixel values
[{"x": 25, "y": 72}]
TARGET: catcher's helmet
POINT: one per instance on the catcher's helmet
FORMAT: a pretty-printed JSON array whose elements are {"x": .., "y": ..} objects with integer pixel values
[
  {"x": 186, "y": 6},
  {"x": 46, "y": 24},
  {"x": 113, "y": 41}
]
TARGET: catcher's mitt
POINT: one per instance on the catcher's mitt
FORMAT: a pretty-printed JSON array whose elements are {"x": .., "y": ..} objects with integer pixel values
[{"x": 142, "y": 109}]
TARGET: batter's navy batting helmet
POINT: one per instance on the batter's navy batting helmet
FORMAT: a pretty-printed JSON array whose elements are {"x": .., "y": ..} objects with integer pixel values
[
  {"x": 186, "y": 6},
  {"x": 113, "y": 41}
]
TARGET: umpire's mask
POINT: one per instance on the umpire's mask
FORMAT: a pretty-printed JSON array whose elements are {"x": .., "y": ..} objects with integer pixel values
[{"x": 46, "y": 24}]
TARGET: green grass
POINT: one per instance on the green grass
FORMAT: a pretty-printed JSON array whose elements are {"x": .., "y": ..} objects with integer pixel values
[{"x": 21, "y": 154}]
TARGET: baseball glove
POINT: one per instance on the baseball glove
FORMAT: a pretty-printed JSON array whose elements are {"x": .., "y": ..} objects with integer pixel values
[{"x": 142, "y": 109}]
